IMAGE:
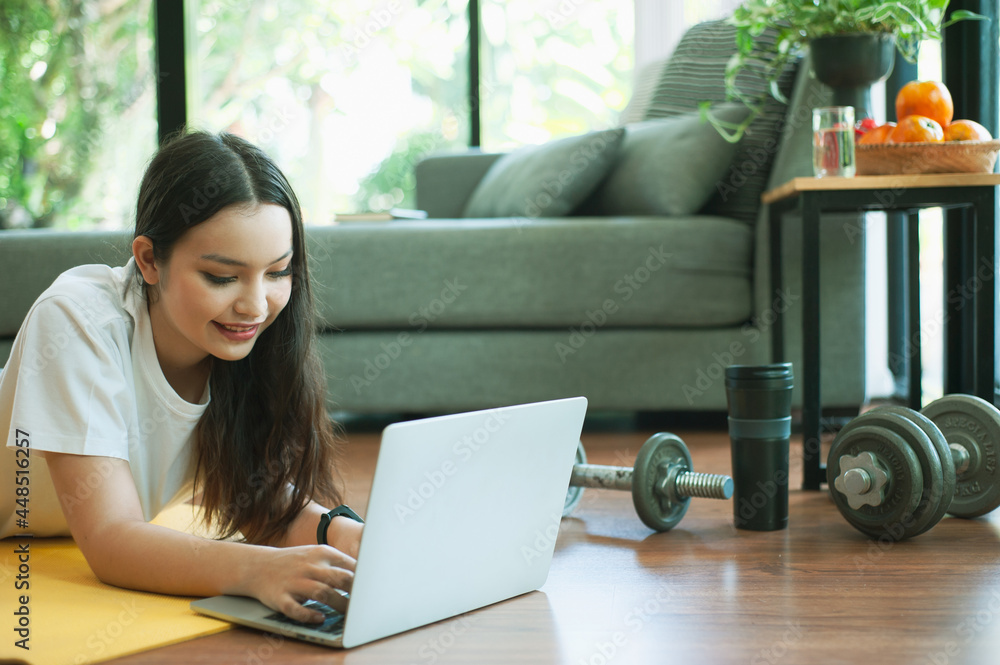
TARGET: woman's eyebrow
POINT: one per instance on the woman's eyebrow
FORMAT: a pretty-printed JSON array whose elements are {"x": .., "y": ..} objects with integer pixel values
[{"x": 225, "y": 260}]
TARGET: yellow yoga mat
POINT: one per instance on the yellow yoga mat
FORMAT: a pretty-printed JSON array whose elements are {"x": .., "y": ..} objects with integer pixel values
[{"x": 71, "y": 618}]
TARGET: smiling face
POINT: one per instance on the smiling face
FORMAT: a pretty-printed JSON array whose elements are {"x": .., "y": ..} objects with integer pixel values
[{"x": 225, "y": 282}]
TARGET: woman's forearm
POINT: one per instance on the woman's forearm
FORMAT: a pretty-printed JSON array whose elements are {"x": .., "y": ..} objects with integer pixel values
[
  {"x": 149, "y": 557},
  {"x": 343, "y": 533}
]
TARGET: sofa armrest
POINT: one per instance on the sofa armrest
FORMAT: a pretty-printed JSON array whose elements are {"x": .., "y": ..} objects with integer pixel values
[{"x": 445, "y": 182}]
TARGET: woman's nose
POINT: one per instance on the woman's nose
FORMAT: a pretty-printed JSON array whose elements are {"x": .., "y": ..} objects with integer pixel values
[{"x": 252, "y": 302}]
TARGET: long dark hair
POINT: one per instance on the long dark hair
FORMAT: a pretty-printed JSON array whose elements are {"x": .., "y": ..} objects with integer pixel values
[{"x": 265, "y": 445}]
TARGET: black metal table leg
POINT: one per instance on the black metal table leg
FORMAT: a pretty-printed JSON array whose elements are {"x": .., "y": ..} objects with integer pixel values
[
  {"x": 912, "y": 348},
  {"x": 984, "y": 216},
  {"x": 813, "y": 470},
  {"x": 959, "y": 266},
  {"x": 775, "y": 216}
]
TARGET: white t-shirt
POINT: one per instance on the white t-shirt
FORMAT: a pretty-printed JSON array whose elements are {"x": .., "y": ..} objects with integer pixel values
[{"x": 83, "y": 378}]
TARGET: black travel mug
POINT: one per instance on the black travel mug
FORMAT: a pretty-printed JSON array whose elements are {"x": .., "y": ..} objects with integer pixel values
[{"x": 760, "y": 423}]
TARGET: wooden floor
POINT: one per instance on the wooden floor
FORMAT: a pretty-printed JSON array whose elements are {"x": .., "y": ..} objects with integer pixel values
[{"x": 818, "y": 592}]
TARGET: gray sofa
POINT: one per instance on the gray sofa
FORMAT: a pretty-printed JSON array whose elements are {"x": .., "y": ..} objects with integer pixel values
[{"x": 638, "y": 312}]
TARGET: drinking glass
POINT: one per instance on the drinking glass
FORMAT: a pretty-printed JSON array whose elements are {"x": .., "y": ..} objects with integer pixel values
[{"x": 833, "y": 141}]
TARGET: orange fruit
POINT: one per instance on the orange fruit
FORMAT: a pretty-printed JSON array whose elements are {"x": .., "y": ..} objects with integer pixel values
[
  {"x": 966, "y": 130},
  {"x": 926, "y": 98},
  {"x": 878, "y": 135},
  {"x": 916, "y": 128}
]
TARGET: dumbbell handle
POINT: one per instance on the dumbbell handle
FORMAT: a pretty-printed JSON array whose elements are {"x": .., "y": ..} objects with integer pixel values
[
  {"x": 960, "y": 455},
  {"x": 686, "y": 483}
]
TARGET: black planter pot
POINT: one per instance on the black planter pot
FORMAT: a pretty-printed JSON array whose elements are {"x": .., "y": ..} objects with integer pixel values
[{"x": 851, "y": 64}]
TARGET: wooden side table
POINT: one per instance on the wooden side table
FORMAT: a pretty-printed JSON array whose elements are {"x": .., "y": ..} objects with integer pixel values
[{"x": 975, "y": 285}]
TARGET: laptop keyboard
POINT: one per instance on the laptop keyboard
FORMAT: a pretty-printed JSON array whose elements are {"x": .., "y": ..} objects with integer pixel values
[{"x": 333, "y": 624}]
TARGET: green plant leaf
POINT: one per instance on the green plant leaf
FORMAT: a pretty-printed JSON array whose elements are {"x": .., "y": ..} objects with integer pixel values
[
  {"x": 796, "y": 22},
  {"x": 963, "y": 15}
]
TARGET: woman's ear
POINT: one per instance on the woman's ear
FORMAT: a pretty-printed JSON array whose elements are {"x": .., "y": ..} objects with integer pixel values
[{"x": 142, "y": 250}]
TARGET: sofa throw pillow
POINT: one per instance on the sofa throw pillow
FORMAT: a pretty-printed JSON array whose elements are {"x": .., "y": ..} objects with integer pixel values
[
  {"x": 547, "y": 180},
  {"x": 695, "y": 73},
  {"x": 668, "y": 166}
]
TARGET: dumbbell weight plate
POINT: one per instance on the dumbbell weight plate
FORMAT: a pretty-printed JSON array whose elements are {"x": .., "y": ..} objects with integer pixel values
[
  {"x": 575, "y": 494},
  {"x": 936, "y": 463},
  {"x": 660, "y": 452},
  {"x": 903, "y": 492},
  {"x": 974, "y": 424}
]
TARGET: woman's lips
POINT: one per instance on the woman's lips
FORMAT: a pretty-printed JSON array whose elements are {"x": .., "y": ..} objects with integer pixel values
[{"x": 236, "y": 333}]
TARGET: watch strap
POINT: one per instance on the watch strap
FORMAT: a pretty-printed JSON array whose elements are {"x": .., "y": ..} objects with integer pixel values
[{"x": 326, "y": 518}]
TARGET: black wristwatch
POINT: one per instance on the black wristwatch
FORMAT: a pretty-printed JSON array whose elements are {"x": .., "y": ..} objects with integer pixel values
[{"x": 326, "y": 518}]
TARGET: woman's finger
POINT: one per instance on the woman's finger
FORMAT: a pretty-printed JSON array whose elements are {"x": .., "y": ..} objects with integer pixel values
[
  {"x": 337, "y": 558},
  {"x": 293, "y": 609}
]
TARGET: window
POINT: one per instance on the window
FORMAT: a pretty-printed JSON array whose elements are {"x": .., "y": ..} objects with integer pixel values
[
  {"x": 553, "y": 68},
  {"x": 345, "y": 96},
  {"x": 349, "y": 96},
  {"x": 77, "y": 112}
]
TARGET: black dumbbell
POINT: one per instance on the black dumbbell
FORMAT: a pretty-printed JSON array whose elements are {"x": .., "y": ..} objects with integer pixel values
[
  {"x": 661, "y": 482},
  {"x": 895, "y": 471}
]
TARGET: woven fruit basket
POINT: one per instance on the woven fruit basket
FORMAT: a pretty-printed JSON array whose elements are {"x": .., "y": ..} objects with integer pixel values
[{"x": 947, "y": 157}]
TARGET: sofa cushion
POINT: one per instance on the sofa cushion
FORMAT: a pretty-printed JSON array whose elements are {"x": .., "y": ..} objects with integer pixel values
[
  {"x": 547, "y": 180},
  {"x": 638, "y": 272},
  {"x": 695, "y": 73},
  {"x": 32, "y": 259},
  {"x": 668, "y": 166}
]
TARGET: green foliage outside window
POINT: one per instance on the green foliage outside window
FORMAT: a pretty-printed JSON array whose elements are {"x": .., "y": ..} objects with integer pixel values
[
  {"x": 76, "y": 92},
  {"x": 347, "y": 96}
]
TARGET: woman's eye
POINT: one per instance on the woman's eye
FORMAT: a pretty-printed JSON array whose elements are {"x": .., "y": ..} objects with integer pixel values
[
  {"x": 215, "y": 279},
  {"x": 281, "y": 273}
]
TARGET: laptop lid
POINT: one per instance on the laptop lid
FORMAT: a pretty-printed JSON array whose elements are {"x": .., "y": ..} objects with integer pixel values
[{"x": 464, "y": 511}]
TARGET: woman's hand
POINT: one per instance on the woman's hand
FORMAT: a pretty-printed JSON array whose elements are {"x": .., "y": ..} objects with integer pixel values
[{"x": 284, "y": 578}]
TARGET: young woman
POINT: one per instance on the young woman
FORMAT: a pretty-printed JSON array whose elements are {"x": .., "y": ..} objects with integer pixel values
[{"x": 190, "y": 370}]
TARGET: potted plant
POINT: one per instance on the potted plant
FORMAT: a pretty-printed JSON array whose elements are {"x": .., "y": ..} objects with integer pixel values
[{"x": 857, "y": 35}]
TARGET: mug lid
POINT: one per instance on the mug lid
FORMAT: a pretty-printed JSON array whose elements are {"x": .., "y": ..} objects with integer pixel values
[{"x": 772, "y": 372}]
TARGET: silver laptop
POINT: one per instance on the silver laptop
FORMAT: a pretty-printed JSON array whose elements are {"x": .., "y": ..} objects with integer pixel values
[{"x": 463, "y": 513}]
